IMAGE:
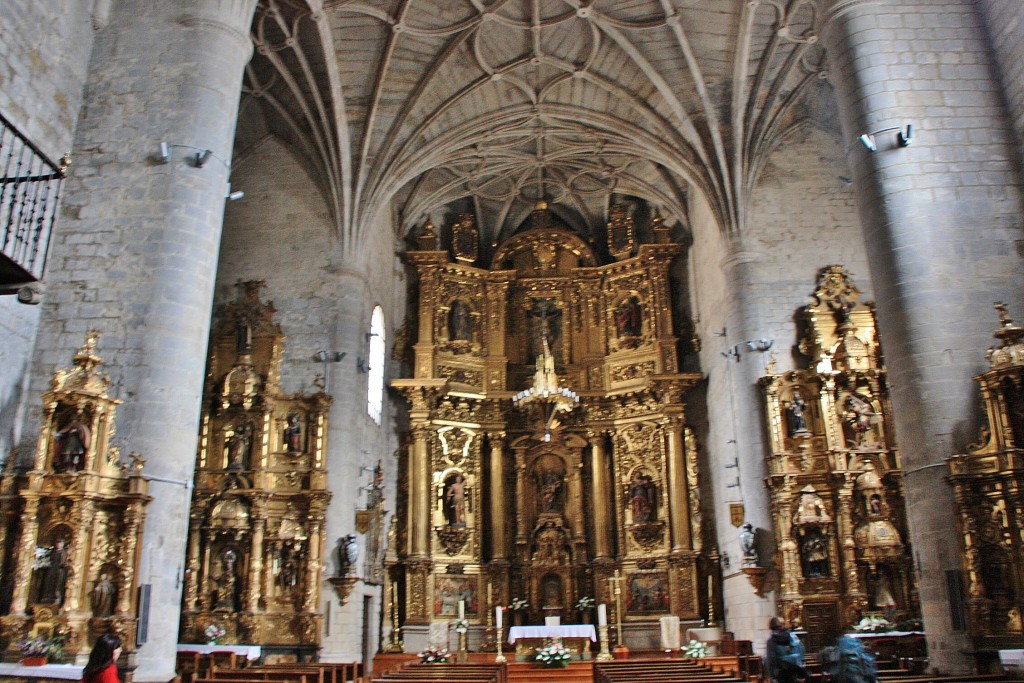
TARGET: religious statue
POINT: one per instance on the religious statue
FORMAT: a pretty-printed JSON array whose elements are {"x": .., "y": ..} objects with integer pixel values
[
  {"x": 550, "y": 547},
  {"x": 629, "y": 318},
  {"x": 238, "y": 445},
  {"x": 293, "y": 434},
  {"x": 104, "y": 595},
  {"x": 348, "y": 554},
  {"x": 815, "y": 555},
  {"x": 883, "y": 598},
  {"x": 72, "y": 446},
  {"x": 455, "y": 500},
  {"x": 550, "y": 492},
  {"x": 643, "y": 498},
  {"x": 797, "y": 417},
  {"x": 544, "y": 324},
  {"x": 227, "y": 583},
  {"x": 55, "y": 574},
  {"x": 552, "y": 597},
  {"x": 748, "y": 544},
  {"x": 460, "y": 321},
  {"x": 858, "y": 416}
]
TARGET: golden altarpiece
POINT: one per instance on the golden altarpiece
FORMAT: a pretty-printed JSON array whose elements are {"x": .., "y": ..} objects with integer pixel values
[
  {"x": 72, "y": 526},
  {"x": 834, "y": 473},
  {"x": 255, "y": 542},
  {"x": 990, "y": 501},
  {"x": 508, "y": 496}
]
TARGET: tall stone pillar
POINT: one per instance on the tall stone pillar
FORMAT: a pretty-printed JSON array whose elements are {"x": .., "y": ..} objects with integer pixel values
[
  {"x": 940, "y": 219},
  {"x": 135, "y": 249}
]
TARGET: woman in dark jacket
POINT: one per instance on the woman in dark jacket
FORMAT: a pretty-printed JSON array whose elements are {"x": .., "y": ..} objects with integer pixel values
[
  {"x": 784, "y": 657},
  {"x": 102, "y": 666}
]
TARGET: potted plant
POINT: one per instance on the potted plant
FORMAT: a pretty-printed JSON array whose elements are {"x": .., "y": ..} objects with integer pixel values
[
  {"x": 435, "y": 655},
  {"x": 553, "y": 655},
  {"x": 695, "y": 649},
  {"x": 39, "y": 650},
  {"x": 214, "y": 633}
]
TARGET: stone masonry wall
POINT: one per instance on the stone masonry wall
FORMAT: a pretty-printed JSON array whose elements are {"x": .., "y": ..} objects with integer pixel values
[{"x": 1005, "y": 23}]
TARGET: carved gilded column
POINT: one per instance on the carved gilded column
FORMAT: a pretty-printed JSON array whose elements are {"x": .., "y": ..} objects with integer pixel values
[
  {"x": 679, "y": 492},
  {"x": 311, "y": 598},
  {"x": 499, "y": 542},
  {"x": 419, "y": 494},
  {"x": 134, "y": 516},
  {"x": 849, "y": 545},
  {"x": 259, "y": 527},
  {"x": 600, "y": 495},
  {"x": 520, "y": 499},
  {"x": 26, "y": 552},
  {"x": 76, "y": 579},
  {"x": 192, "y": 574}
]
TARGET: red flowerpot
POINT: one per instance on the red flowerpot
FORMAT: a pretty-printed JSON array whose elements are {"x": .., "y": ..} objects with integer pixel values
[
  {"x": 33, "y": 661},
  {"x": 620, "y": 652}
]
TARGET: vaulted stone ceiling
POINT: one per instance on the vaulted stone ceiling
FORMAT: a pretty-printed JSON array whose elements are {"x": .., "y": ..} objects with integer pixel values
[{"x": 434, "y": 106}]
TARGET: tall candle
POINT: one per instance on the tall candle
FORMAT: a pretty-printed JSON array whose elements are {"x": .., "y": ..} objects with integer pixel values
[
  {"x": 462, "y": 609},
  {"x": 497, "y": 616},
  {"x": 602, "y": 615}
]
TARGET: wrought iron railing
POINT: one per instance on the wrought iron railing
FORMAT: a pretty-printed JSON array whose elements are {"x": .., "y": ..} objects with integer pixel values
[{"x": 29, "y": 188}]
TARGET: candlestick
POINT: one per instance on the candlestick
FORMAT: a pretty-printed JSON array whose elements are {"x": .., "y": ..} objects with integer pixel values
[
  {"x": 602, "y": 615},
  {"x": 500, "y": 657},
  {"x": 497, "y": 616},
  {"x": 462, "y": 609},
  {"x": 605, "y": 654}
]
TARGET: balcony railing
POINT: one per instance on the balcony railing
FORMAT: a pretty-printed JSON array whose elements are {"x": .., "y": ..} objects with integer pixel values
[{"x": 29, "y": 188}]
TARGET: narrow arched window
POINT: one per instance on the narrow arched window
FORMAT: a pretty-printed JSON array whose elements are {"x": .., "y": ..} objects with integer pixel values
[{"x": 375, "y": 385}]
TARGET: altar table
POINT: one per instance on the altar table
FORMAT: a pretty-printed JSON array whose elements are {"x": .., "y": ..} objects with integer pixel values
[
  {"x": 249, "y": 651},
  {"x": 69, "y": 672},
  {"x": 564, "y": 631}
]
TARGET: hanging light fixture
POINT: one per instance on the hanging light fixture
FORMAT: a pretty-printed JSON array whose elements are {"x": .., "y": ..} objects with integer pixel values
[{"x": 546, "y": 392}]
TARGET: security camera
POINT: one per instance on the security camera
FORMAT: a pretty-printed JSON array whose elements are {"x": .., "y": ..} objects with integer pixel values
[{"x": 30, "y": 294}]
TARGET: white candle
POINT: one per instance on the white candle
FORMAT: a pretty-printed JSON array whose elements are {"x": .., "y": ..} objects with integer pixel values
[
  {"x": 602, "y": 615},
  {"x": 462, "y": 609},
  {"x": 497, "y": 616}
]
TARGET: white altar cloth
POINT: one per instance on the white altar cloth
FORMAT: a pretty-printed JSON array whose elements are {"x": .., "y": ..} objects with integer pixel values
[
  {"x": 563, "y": 631},
  {"x": 68, "y": 672},
  {"x": 250, "y": 651}
]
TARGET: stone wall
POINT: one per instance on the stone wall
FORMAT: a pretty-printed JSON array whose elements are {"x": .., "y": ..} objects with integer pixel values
[{"x": 1005, "y": 23}]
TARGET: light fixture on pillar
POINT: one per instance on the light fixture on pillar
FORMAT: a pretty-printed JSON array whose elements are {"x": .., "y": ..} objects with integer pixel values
[
  {"x": 201, "y": 157},
  {"x": 904, "y": 136},
  {"x": 233, "y": 196},
  {"x": 546, "y": 393},
  {"x": 164, "y": 155}
]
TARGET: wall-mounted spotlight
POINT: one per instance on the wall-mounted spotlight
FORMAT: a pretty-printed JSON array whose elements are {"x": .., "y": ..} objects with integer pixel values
[
  {"x": 202, "y": 157},
  {"x": 233, "y": 196},
  {"x": 903, "y": 137},
  {"x": 362, "y": 365},
  {"x": 164, "y": 155},
  {"x": 761, "y": 345},
  {"x": 328, "y": 356}
]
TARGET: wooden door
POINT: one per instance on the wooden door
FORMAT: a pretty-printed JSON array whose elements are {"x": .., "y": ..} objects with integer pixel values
[{"x": 821, "y": 621}]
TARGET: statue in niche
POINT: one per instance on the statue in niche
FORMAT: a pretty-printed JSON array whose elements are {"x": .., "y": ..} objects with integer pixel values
[
  {"x": 545, "y": 324},
  {"x": 629, "y": 318},
  {"x": 460, "y": 321},
  {"x": 238, "y": 445},
  {"x": 883, "y": 598},
  {"x": 551, "y": 596},
  {"x": 455, "y": 500},
  {"x": 227, "y": 582},
  {"x": 643, "y": 498},
  {"x": 104, "y": 595},
  {"x": 814, "y": 553},
  {"x": 54, "y": 563},
  {"x": 858, "y": 415},
  {"x": 243, "y": 338},
  {"x": 72, "y": 446},
  {"x": 875, "y": 505},
  {"x": 748, "y": 543},
  {"x": 550, "y": 548},
  {"x": 293, "y": 433},
  {"x": 550, "y": 485},
  {"x": 797, "y": 415}
]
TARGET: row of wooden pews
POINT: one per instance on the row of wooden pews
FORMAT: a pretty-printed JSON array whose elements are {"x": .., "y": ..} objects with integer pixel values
[
  {"x": 222, "y": 669},
  {"x": 667, "y": 671},
  {"x": 450, "y": 673}
]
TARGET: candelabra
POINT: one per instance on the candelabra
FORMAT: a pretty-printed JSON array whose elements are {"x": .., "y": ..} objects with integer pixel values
[{"x": 463, "y": 655}]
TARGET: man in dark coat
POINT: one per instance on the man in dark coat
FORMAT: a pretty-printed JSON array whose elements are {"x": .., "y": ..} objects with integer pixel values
[{"x": 784, "y": 658}]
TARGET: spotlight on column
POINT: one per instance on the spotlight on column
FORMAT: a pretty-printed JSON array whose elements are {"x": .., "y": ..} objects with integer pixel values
[
  {"x": 868, "y": 140},
  {"x": 202, "y": 157},
  {"x": 903, "y": 139},
  {"x": 164, "y": 155},
  {"x": 233, "y": 196}
]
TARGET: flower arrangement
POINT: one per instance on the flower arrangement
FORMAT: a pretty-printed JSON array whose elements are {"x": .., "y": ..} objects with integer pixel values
[
  {"x": 695, "y": 649},
  {"x": 552, "y": 655},
  {"x": 435, "y": 655},
  {"x": 585, "y": 603},
  {"x": 38, "y": 646},
  {"x": 213, "y": 633},
  {"x": 873, "y": 624},
  {"x": 41, "y": 558},
  {"x": 516, "y": 604},
  {"x": 460, "y": 625}
]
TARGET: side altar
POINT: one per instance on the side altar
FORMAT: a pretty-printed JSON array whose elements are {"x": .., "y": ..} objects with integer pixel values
[{"x": 548, "y": 447}]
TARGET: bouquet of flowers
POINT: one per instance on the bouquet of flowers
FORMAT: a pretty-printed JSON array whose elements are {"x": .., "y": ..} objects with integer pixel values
[
  {"x": 585, "y": 603},
  {"x": 213, "y": 633},
  {"x": 435, "y": 655},
  {"x": 695, "y": 649},
  {"x": 517, "y": 604},
  {"x": 38, "y": 646},
  {"x": 552, "y": 655},
  {"x": 460, "y": 625},
  {"x": 873, "y": 624},
  {"x": 41, "y": 558}
]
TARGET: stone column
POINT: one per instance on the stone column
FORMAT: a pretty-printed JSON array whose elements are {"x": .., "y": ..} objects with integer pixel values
[
  {"x": 941, "y": 219},
  {"x": 600, "y": 495},
  {"x": 135, "y": 251}
]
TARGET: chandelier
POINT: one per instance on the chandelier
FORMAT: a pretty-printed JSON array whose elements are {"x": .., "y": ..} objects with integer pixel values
[{"x": 546, "y": 393}]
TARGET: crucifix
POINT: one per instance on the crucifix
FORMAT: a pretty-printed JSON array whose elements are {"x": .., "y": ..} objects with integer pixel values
[{"x": 615, "y": 588}]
